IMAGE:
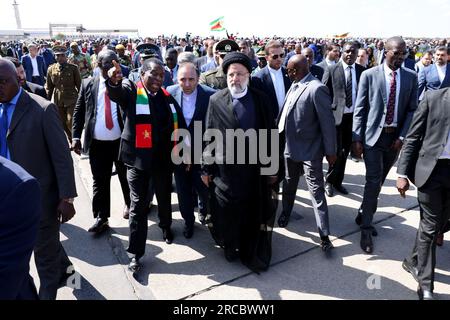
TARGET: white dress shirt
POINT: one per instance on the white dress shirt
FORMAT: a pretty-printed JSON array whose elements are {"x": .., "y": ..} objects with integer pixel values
[
  {"x": 100, "y": 131},
  {"x": 354, "y": 85},
  {"x": 441, "y": 71},
  {"x": 278, "y": 83},
  {"x": 388, "y": 77},
  {"x": 188, "y": 106},
  {"x": 330, "y": 62},
  {"x": 289, "y": 101},
  {"x": 35, "y": 67}
]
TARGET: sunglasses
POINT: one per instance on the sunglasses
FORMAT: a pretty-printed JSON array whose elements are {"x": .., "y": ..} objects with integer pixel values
[{"x": 276, "y": 56}]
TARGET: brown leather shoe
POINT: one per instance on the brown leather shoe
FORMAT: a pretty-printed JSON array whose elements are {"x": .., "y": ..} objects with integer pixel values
[{"x": 126, "y": 213}]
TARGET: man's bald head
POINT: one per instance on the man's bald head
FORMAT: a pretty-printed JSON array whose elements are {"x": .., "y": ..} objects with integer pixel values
[
  {"x": 394, "y": 41},
  {"x": 9, "y": 81},
  {"x": 297, "y": 67}
]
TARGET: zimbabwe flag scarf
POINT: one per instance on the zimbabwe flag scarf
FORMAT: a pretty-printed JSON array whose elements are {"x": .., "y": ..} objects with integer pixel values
[{"x": 144, "y": 130}]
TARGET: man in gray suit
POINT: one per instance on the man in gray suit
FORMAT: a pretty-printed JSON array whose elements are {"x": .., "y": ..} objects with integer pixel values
[
  {"x": 428, "y": 141},
  {"x": 437, "y": 75},
  {"x": 308, "y": 126},
  {"x": 386, "y": 101},
  {"x": 31, "y": 134}
]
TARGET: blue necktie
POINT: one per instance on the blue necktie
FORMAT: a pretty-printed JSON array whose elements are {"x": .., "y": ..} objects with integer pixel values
[{"x": 4, "y": 130}]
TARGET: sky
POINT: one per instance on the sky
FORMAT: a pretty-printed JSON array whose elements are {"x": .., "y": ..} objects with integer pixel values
[{"x": 315, "y": 18}]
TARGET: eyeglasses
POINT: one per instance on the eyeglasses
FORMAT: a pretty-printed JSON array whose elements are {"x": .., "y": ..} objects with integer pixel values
[
  {"x": 276, "y": 56},
  {"x": 399, "y": 53},
  {"x": 237, "y": 75}
]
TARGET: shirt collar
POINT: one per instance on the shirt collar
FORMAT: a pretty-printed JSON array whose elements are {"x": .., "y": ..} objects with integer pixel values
[
  {"x": 346, "y": 65},
  {"x": 388, "y": 71},
  {"x": 273, "y": 70}
]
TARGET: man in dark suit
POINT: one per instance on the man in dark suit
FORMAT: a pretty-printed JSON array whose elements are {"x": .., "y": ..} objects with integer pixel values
[
  {"x": 34, "y": 66},
  {"x": 437, "y": 75},
  {"x": 20, "y": 213},
  {"x": 315, "y": 70},
  {"x": 273, "y": 79},
  {"x": 26, "y": 85},
  {"x": 33, "y": 137},
  {"x": 193, "y": 99},
  {"x": 102, "y": 121},
  {"x": 242, "y": 196},
  {"x": 152, "y": 116},
  {"x": 425, "y": 160},
  {"x": 342, "y": 80},
  {"x": 386, "y": 101},
  {"x": 307, "y": 126}
]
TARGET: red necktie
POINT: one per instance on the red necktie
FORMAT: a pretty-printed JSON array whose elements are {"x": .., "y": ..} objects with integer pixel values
[
  {"x": 108, "y": 114},
  {"x": 391, "y": 102}
]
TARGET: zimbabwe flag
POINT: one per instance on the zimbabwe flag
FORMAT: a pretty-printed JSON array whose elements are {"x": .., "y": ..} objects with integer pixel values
[
  {"x": 143, "y": 136},
  {"x": 217, "y": 25}
]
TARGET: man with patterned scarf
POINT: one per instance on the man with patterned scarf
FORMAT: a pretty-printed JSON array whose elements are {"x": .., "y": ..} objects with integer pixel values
[{"x": 152, "y": 115}]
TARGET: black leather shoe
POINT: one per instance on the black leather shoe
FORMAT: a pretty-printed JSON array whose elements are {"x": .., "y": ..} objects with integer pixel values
[
  {"x": 326, "y": 244},
  {"x": 283, "y": 220},
  {"x": 188, "y": 231},
  {"x": 341, "y": 189},
  {"x": 231, "y": 254},
  {"x": 408, "y": 267},
  {"x": 329, "y": 190},
  {"x": 425, "y": 294},
  {"x": 99, "y": 226},
  {"x": 366, "y": 241},
  {"x": 134, "y": 265},
  {"x": 167, "y": 235}
]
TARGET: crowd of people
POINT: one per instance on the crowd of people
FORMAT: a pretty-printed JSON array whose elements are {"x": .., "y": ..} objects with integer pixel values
[{"x": 124, "y": 103}]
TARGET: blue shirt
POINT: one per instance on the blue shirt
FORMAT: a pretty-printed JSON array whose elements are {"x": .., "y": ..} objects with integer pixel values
[{"x": 10, "y": 111}]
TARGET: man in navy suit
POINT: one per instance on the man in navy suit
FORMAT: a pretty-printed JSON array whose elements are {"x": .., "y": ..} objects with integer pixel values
[
  {"x": 20, "y": 212},
  {"x": 273, "y": 79},
  {"x": 385, "y": 104},
  {"x": 34, "y": 66},
  {"x": 193, "y": 99},
  {"x": 437, "y": 75}
]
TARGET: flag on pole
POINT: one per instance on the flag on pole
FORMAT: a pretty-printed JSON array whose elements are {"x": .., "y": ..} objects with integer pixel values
[{"x": 217, "y": 25}]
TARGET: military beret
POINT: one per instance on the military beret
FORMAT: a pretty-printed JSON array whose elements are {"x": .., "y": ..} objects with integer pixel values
[
  {"x": 59, "y": 50},
  {"x": 236, "y": 57},
  {"x": 226, "y": 46}
]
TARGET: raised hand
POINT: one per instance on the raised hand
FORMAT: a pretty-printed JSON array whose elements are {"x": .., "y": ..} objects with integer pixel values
[{"x": 115, "y": 73}]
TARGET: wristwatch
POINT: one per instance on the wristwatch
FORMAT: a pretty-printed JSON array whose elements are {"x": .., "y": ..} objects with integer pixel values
[{"x": 69, "y": 200}]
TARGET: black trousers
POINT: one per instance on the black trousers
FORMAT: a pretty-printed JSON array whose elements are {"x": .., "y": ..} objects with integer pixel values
[
  {"x": 139, "y": 184},
  {"x": 335, "y": 174},
  {"x": 187, "y": 182},
  {"x": 434, "y": 200},
  {"x": 102, "y": 155}
]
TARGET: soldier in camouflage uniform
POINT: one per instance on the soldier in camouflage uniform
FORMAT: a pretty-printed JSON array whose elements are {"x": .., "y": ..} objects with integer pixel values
[
  {"x": 123, "y": 58},
  {"x": 63, "y": 84},
  {"x": 216, "y": 79},
  {"x": 80, "y": 60}
]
